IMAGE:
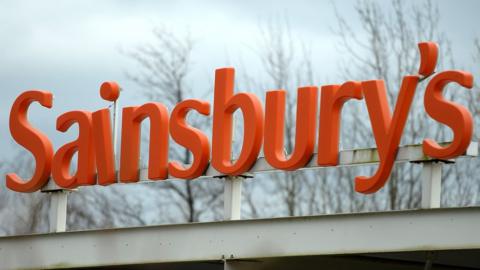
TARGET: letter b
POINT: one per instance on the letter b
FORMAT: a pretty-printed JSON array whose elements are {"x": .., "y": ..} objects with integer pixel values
[{"x": 225, "y": 104}]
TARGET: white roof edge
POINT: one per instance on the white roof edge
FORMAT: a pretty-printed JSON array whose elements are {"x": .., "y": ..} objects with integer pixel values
[{"x": 412, "y": 230}]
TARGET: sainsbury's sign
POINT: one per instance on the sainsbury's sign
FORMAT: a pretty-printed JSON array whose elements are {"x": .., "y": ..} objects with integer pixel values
[{"x": 96, "y": 162}]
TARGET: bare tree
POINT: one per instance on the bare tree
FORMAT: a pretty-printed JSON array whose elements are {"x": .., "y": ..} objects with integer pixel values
[
  {"x": 380, "y": 44},
  {"x": 88, "y": 207},
  {"x": 106, "y": 207},
  {"x": 22, "y": 213},
  {"x": 385, "y": 47},
  {"x": 286, "y": 63},
  {"x": 163, "y": 72}
]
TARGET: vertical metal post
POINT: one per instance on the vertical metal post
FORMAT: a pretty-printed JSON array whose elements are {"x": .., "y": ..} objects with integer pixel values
[
  {"x": 431, "y": 184},
  {"x": 232, "y": 198},
  {"x": 115, "y": 132},
  {"x": 58, "y": 211}
]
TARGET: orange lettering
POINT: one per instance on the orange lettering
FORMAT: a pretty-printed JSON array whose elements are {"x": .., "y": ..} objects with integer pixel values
[
  {"x": 83, "y": 145},
  {"x": 457, "y": 117},
  {"x": 305, "y": 128},
  {"x": 190, "y": 137},
  {"x": 387, "y": 130},
  {"x": 332, "y": 99},
  {"x": 225, "y": 104},
  {"x": 32, "y": 139},
  {"x": 130, "y": 147},
  {"x": 104, "y": 155}
]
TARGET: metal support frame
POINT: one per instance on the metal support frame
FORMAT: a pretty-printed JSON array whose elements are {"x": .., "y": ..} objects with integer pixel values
[
  {"x": 431, "y": 178},
  {"x": 352, "y": 157},
  {"x": 431, "y": 184},
  {"x": 58, "y": 211},
  {"x": 240, "y": 264},
  {"x": 248, "y": 240},
  {"x": 115, "y": 132},
  {"x": 232, "y": 198}
]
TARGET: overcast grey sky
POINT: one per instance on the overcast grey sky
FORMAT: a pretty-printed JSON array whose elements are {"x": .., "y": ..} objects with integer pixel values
[{"x": 71, "y": 47}]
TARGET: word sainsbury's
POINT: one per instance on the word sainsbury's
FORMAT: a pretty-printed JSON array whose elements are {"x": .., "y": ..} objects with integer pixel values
[{"x": 94, "y": 145}]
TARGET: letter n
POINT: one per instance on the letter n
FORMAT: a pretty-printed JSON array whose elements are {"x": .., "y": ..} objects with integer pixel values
[{"x": 132, "y": 118}]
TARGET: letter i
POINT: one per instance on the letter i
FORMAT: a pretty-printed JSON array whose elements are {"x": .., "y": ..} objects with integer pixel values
[{"x": 102, "y": 132}]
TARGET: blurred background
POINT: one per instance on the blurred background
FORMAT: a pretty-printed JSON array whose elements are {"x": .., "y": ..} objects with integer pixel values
[{"x": 167, "y": 51}]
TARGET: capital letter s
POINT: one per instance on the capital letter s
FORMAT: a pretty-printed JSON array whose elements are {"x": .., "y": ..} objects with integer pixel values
[{"x": 32, "y": 139}]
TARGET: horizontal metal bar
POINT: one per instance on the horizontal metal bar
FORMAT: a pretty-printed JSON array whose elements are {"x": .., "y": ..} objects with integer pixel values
[
  {"x": 354, "y": 157},
  {"x": 357, "y": 157},
  {"x": 395, "y": 231}
]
